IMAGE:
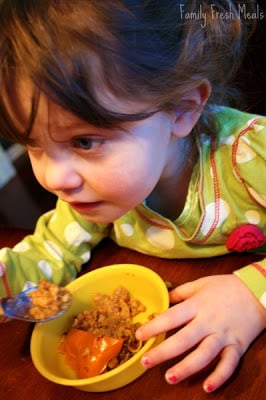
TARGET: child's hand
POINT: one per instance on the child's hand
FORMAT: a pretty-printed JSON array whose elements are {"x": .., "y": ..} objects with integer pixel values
[{"x": 218, "y": 315}]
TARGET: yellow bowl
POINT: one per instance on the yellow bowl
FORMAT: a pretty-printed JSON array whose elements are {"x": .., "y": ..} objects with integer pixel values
[{"x": 142, "y": 284}]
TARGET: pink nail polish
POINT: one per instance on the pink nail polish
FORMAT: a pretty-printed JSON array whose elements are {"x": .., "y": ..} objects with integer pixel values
[
  {"x": 172, "y": 379},
  {"x": 209, "y": 388},
  {"x": 146, "y": 362}
]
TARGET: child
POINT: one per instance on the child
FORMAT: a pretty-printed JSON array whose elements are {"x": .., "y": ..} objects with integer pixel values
[{"x": 117, "y": 104}]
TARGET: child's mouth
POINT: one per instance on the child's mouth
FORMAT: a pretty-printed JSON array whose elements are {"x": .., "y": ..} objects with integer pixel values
[{"x": 85, "y": 207}]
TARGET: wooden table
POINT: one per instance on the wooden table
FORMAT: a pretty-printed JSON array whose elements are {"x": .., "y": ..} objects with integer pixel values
[{"x": 19, "y": 380}]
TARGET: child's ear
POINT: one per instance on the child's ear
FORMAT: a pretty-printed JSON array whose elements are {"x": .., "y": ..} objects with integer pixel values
[{"x": 184, "y": 121}]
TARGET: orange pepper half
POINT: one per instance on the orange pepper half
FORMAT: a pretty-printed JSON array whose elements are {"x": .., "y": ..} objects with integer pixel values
[{"x": 87, "y": 353}]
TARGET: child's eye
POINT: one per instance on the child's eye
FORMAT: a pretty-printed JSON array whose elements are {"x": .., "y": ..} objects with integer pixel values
[{"x": 86, "y": 143}]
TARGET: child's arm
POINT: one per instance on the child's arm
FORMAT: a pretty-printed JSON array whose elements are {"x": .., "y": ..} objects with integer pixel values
[
  {"x": 61, "y": 243},
  {"x": 218, "y": 316}
]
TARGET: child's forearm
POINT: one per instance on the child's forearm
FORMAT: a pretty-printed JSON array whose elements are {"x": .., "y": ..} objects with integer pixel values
[{"x": 61, "y": 243}]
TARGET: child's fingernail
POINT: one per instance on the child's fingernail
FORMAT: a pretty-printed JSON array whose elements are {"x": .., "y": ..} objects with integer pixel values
[
  {"x": 209, "y": 388},
  {"x": 146, "y": 362},
  {"x": 171, "y": 378}
]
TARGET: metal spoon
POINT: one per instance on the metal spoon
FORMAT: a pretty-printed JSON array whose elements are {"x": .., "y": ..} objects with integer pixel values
[{"x": 18, "y": 307}]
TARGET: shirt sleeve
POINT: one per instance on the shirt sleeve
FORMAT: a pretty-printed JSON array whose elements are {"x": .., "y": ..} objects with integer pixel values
[
  {"x": 254, "y": 277},
  {"x": 61, "y": 243},
  {"x": 249, "y": 158}
]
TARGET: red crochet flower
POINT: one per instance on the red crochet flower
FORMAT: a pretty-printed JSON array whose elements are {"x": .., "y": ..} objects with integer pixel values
[{"x": 245, "y": 237}]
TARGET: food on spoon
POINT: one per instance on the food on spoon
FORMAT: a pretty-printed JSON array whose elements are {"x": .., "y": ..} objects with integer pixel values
[
  {"x": 47, "y": 300},
  {"x": 104, "y": 337}
]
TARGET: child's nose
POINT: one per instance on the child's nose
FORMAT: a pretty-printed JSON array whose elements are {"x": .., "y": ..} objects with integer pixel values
[{"x": 61, "y": 176}]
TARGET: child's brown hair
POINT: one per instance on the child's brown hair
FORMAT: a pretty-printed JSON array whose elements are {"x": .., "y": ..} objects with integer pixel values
[{"x": 141, "y": 50}]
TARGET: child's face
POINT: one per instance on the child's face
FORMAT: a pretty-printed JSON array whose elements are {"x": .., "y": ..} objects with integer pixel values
[{"x": 101, "y": 173}]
